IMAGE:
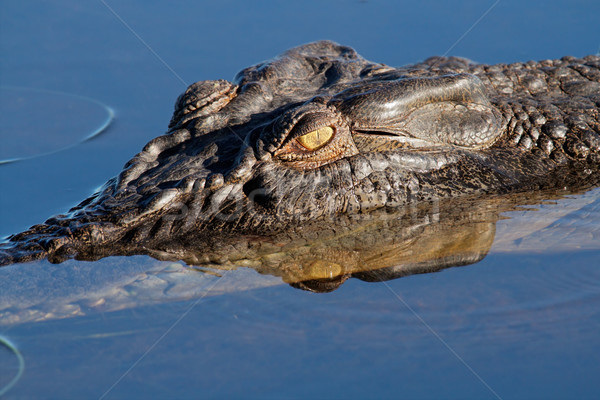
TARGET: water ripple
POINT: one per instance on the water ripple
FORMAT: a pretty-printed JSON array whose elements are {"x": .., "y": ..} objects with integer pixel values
[{"x": 38, "y": 122}]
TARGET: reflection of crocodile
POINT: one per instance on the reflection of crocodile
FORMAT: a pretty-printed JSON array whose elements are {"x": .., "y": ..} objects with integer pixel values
[
  {"x": 319, "y": 132},
  {"x": 379, "y": 246}
]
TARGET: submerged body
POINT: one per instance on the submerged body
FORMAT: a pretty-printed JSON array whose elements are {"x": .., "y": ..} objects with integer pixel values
[{"x": 319, "y": 132}]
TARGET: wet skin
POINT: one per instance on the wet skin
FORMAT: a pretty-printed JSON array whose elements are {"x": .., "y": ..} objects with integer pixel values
[{"x": 318, "y": 133}]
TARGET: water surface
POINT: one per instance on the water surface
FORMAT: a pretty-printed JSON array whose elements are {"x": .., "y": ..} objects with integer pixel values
[{"x": 521, "y": 323}]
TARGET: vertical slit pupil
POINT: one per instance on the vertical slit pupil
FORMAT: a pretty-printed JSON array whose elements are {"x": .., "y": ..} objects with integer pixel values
[{"x": 317, "y": 138}]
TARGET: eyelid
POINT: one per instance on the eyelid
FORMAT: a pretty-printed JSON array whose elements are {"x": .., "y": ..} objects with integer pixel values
[{"x": 309, "y": 123}]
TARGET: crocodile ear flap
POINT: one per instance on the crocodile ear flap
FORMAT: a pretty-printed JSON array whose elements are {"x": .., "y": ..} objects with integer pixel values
[
  {"x": 201, "y": 99},
  {"x": 467, "y": 125},
  {"x": 447, "y": 110}
]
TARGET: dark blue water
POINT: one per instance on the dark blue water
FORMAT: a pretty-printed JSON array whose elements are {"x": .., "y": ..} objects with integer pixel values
[{"x": 519, "y": 324}]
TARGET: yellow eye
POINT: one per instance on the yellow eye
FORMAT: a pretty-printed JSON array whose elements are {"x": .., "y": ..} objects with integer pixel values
[{"x": 316, "y": 139}]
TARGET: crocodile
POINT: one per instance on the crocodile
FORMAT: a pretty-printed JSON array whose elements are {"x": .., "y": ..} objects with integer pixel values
[{"x": 319, "y": 133}]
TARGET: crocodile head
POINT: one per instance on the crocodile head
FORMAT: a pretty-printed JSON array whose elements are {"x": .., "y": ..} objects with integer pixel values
[
  {"x": 316, "y": 132},
  {"x": 312, "y": 134}
]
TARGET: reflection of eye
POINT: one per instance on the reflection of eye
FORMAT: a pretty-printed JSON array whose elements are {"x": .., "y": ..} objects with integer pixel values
[{"x": 316, "y": 139}]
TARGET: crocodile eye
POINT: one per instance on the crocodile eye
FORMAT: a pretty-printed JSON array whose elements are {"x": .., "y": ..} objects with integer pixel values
[{"x": 316, "y": 139}]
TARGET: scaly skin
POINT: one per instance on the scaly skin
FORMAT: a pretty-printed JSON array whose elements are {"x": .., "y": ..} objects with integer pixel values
[{"x": 319, "y": 132}]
